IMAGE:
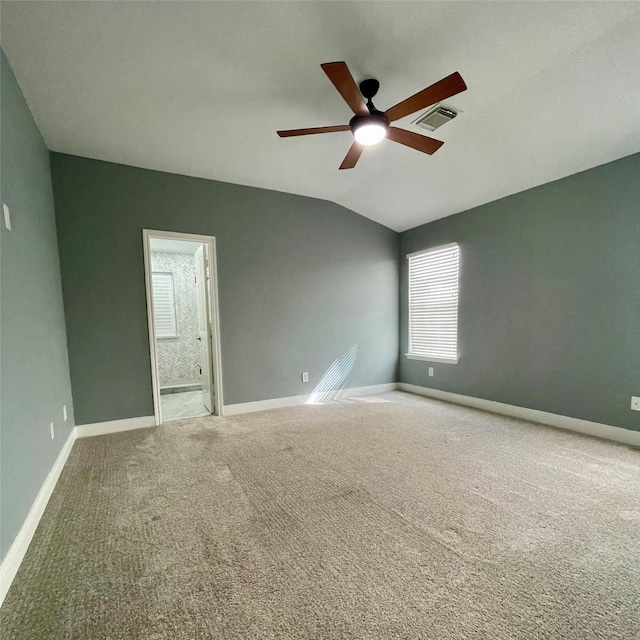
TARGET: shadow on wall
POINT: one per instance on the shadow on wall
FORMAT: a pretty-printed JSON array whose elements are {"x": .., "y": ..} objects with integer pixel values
[{"x": 331, "y": 386}]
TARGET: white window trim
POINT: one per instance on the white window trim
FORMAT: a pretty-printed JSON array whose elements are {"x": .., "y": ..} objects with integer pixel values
[
  {"x": 440, "y": 247},
  {"x": 413, "y": 356},
  {"x": 415, "y": 254}
]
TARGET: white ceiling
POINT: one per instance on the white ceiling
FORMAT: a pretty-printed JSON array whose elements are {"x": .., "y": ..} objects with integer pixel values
[
  {"x": 200, "y": 88},
  {"x": 166, "y": 245}
]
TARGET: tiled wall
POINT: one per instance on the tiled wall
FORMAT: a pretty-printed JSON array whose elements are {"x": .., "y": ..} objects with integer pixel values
[{"x": 178, "y": 358}]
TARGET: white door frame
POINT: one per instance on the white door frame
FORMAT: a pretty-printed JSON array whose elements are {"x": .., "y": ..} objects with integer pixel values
[{"x": 210, "y": 242}]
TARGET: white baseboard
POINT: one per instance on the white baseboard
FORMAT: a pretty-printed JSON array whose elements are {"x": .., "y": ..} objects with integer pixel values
[
  {"x": 16, "y": 553},
  {"x": 114, "y": 426},
  {"x": 617, "y": 434},
  {"x": 14, "y": 557},
  {"x": 371, "y": 390},
  {"x": 293, "y": 401}
]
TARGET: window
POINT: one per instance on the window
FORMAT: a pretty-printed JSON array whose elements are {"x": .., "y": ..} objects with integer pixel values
[
  {"x": 164, "y": 305},
  {"x": 433, "y": 304}
]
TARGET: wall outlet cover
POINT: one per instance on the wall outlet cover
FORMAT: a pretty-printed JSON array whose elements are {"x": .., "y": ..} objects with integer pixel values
[
  {"x": 64, "y": 412},
  {"x": 53, "y": 435},
  {"x": 305, "y": 376},
  {"x": 635, "y": 403}
]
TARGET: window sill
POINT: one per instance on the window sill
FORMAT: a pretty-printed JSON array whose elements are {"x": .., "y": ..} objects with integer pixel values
[{"x": 411, "y": 356}]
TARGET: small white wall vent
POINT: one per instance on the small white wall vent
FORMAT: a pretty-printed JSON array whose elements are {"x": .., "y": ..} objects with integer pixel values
[{"x": 436, "y": 116}]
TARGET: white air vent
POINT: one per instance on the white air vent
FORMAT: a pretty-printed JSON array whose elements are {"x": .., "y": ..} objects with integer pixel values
[{"x": 436, "y": 116}]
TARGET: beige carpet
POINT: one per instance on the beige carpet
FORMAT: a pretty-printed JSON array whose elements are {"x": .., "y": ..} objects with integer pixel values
[{"x": 382, "y": 517}]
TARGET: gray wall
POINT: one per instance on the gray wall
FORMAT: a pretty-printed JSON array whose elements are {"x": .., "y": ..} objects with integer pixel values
[
  {"x": 301, "y": 281},
  {"x": 179, "y": 358},
  {"x": 34, "y": 372},
  {"x": 549, "y": 314}
]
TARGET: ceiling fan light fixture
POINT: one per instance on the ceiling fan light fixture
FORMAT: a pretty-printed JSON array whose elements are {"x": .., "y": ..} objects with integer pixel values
[
  {"x": 369, "y": 125},
  {"x": 370, "y": 133}
]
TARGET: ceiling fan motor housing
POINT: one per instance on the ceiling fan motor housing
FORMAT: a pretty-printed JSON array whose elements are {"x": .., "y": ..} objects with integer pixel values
[{"x": 368, "y": 89}]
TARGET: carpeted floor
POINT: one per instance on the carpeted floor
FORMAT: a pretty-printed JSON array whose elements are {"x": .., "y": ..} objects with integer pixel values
[{"x": 382, "y": 517}]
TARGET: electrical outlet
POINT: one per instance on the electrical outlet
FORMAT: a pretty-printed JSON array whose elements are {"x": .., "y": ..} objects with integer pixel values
[
  {"x": 431, "y": 371},
  {"x": 64, "y": 412},
  {"x": 53, "y": 435},
  {"x": 7, "y": 216},
  {"x": 305, "y": 376},
  {"x": 635, "y": 403}
]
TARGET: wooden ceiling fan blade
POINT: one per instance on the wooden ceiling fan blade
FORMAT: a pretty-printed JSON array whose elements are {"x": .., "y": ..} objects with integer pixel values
[
  {"x": 445, "y": 88},
  {"x": 414, "y": 140},
  {"x": 306, "y": 132},
  {"x": 352, "y": 157},
  {"x": 343, "y": 81}
]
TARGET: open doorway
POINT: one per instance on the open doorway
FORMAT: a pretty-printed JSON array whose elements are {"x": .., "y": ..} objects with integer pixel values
[{"x": 184, "y": 335}]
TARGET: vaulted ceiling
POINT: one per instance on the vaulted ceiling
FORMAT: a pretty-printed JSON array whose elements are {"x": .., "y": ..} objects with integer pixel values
[{"x": 200, "y": 88}]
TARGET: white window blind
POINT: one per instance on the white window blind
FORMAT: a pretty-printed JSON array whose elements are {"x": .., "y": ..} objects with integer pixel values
[
  {"x": 433, "y": 304},
  {"x": 164, "y": 305}
]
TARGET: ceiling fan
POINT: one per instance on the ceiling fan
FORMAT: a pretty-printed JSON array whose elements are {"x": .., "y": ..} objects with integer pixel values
[{"x": 369, "y": 126}]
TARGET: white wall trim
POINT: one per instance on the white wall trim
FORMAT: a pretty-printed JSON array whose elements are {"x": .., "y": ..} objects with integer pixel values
[
  {"x": 16, "y": 553},
  {"x": 293, "y": 401},
  {"x": 438, "y": 247},
  {"x": 617, "y": 434},
  {"x": 114, "y": 426},
  {"x": 371, "y": 390},
  {"x": 414, "y": 356}
]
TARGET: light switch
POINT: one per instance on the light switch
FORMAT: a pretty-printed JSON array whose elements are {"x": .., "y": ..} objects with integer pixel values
[{"x": 7, "y": 216}]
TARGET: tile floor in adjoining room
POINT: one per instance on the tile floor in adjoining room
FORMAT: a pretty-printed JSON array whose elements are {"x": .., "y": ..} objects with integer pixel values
[{"x": 187, "y": 404}]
